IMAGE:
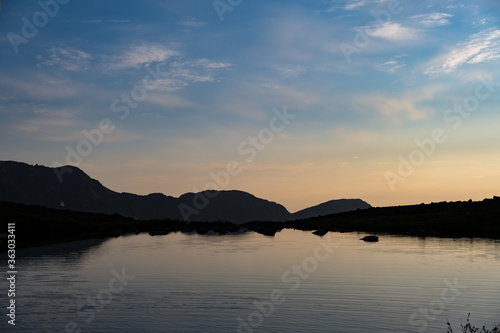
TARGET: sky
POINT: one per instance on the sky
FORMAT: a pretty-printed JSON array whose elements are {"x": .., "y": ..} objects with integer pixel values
[{"x": 298, "y": 102}]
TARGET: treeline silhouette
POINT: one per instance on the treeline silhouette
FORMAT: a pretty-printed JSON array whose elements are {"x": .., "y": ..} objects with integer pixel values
[{"x": 37, "y": 225}]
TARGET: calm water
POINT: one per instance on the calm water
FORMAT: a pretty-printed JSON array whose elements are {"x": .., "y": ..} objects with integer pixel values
[{"x": 253, "y": 283}]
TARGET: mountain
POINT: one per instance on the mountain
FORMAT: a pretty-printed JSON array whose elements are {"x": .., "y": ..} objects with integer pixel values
[
  {"x": 73, "y": 189},
  {"x": 70, "y": 188},
  {"x": 331, "y": 207},
  {"x": 40, "y": 185},
  {"x": 233, "y": 206}
]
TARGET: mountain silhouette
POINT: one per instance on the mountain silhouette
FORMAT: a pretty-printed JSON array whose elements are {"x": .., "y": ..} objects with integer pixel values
[
  {"x": 331, "y": 207},
  {"x": 235, "y": 206},
  {"x": 70, "y": 188}
]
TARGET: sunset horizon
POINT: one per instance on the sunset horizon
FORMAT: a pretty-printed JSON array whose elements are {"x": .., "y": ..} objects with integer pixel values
[{"x": 393, "y": 102}]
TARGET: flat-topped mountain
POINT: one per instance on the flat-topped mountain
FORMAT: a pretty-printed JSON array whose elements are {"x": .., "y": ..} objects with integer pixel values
[{"x": 70, "y": 188}]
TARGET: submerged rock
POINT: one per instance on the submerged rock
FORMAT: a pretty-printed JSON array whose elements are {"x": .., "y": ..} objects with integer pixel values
[
  {"x": 266, "y": 231},
  {"x": 320, "y": 232},
  {"x": 370, "y": 238}
]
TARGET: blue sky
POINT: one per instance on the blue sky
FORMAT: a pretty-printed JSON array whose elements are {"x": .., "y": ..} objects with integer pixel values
[{"x": 363, "y": 79}]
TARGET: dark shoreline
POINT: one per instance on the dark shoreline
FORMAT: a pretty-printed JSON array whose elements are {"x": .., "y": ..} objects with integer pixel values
[{"x": 36, "y": 225}]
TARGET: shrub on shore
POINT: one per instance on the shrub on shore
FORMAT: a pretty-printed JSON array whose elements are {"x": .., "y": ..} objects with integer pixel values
[{"x": 469, "y": 328}]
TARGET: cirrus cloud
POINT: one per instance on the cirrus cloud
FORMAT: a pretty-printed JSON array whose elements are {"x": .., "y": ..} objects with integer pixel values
[
  {"x": 432, "y": 20},
  {"x": 478, "y": 48}
]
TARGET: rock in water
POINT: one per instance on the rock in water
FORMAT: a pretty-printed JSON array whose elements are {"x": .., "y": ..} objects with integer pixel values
[
  {"x": 371, "y": 238},
  {"x": 266, "y": 230},
  {"x": 320, "y": 232}
]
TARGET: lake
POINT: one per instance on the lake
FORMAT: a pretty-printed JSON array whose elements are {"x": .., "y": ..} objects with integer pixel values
[{"x": 293, "y": 282}]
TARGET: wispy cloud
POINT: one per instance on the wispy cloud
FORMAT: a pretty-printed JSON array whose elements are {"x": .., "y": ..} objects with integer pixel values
[
  {"x": 58, "y": 113},
  {"x": 175, "y": 71},
  {"x": 210, "y": 65},
  {"x": 355, "y": 4},
  {"x": 51, "y": 89},
  {"x": 410, "y": 105},
  {"x": 168, "y": 101},
  {"x": 182, "y": 72},
  {"x": 391, "y": 31},
  {"x": 196, "y": 71},
  {"x": 167, "y": 84},
  {"x": 432, "y": 20},
  {"x": 481, "y": 47},
  {"x": 291, "y": 71},
  {"x": 143, "y": 55},
  {"x": 390, "y": 66},
  {"x": 68, "y": 58},
  {"x": 48, "y": 124},
  {"x": 63, "y": 126},
  {"x": 51, "y": 129}
]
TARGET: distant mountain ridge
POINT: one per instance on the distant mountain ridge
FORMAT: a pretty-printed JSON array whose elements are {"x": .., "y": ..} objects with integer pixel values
[
  {"x": 44, "y": 186},
  {"x": 331, "y": 207}
]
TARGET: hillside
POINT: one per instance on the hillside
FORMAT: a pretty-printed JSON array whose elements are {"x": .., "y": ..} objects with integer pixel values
[
  {"x": 70, "y": 188},
  {"x": 331, "y": 207}
]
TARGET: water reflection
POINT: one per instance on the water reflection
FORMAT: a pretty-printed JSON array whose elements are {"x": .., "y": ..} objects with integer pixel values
[
  {"x": 65, "y": 254},
  {"x": 195, "y": 283}
]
